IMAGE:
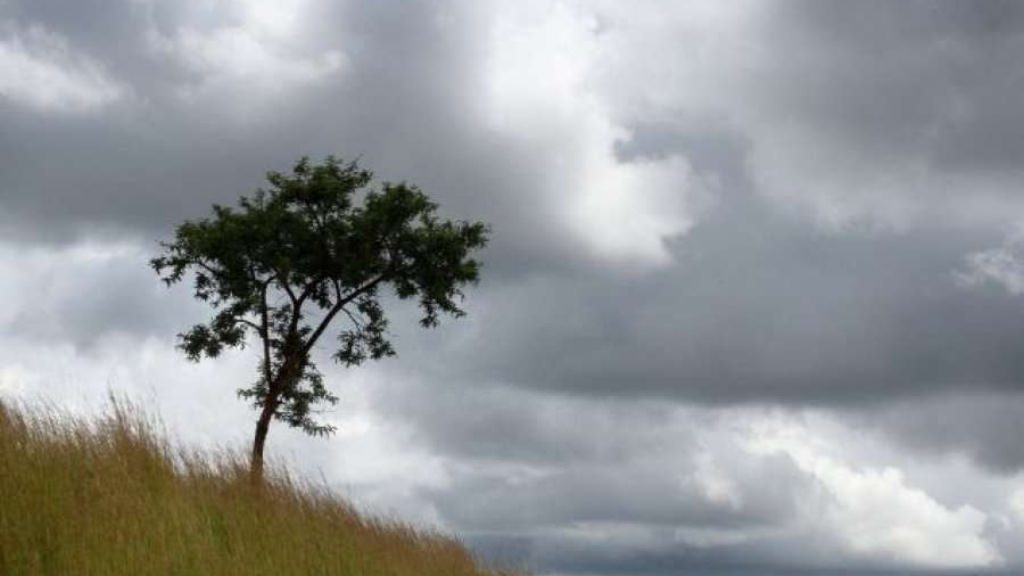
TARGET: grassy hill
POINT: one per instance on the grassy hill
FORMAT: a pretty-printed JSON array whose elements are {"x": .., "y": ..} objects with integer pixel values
[{"x": 111, "y": 497}]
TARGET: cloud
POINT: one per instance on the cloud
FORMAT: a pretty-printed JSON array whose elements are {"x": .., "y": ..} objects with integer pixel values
[
  {"x": 78, "y": 295},
  {"x": 858, "y": 116},
  {"x": 541, "y": 95},
  {"x": 570, "y": 195},
  {"x": 752, "y": 294},
  {"x": 968, "y": 423},
  {"x": 703, "y": 489},
  {"x": 1000, "y": 265},
  {"x": 875, "y": 512},
  {"x": 41, "y": 71},
  {"x": 258, "y": 47}
]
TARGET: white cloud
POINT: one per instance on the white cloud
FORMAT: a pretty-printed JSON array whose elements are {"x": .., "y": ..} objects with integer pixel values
[
  {"x": 874, "y": 512},
  {"x": 543, "y": 61},
  {"x": 258, "y": 51},
  {"x": 716, "y": 485},
  {"x": 1003, "y": 265},
  {"x": 40, "y": 70}
]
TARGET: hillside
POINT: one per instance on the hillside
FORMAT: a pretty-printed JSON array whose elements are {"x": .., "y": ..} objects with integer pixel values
[{"x": 111, "y": 497}]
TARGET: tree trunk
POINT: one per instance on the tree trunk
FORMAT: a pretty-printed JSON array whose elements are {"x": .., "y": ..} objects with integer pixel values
[
  {"x": 260, "y": 439},
  {"x": 284, "y": 381}
]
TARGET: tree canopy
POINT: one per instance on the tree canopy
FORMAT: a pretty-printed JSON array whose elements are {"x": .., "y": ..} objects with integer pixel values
[{"x": 317, "y": 246}]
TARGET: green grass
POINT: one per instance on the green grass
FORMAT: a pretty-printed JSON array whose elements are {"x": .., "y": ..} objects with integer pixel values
[{"x": 111, "y": 497}]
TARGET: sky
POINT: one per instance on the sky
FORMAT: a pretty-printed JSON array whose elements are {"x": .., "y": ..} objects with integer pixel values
[{"x": 753, "y": 301}]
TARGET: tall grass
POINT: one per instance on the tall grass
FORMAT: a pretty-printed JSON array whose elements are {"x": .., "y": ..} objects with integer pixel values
[{"x": 111, "y": 497}]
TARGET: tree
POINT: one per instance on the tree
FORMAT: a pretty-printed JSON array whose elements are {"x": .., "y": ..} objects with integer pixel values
[{"x": 318, "y": 246}]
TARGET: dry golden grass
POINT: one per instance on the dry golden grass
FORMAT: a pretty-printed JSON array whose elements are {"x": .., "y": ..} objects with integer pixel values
[{"x": 112, "y": 497}]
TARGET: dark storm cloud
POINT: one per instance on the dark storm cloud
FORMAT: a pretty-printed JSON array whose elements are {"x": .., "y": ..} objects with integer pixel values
[
  {"x": 113, "y": 32},
  {"x": 657, "y": 484},
  {"x": 906, "y": 75},
  {"x": 405, "y": 102},
  {"x": 984, "y": 427},
  {"x": 411, "y": 84},
  {"x": 585, "y": 486},
  {"x": 892, "y": 113},
  {"x": 759, "y": 309}
]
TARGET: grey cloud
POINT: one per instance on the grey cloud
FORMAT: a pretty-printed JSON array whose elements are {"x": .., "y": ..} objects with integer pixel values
[
  {"x": 655, "y": 490},
  {"x": 602, "y": 506},
  {"x": 636, "y": 499},
  {"x": 875, "y": 81},
  {"x": 901, "y": 75},
  {"x": 405, "y": 104},
  {"x": 757, "y": 309},
  {"x": 919, "y": 83},
  {"x": 981, "y": 426},
  {"x": 64, "y": 297},
  {"x": 113, "y": 32},
  {"x": 497, "y": 424},
  {"x": 863, "y": 111}
]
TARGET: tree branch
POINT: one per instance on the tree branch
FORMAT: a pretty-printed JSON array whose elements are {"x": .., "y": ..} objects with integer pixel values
[
  {"x": 307, "y": 291},
  {"x": 250, "y": 323},
  {"x": 358, "y": 324},
  {"x": 265, "y": 333},
  {"x": 291, "y": 294},
  {"x": 297, "y": 304},
  {"x": 338, "y": 306}
]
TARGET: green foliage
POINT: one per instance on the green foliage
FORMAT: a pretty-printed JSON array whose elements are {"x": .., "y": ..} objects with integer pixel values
[{"x": 318, "y": 245}]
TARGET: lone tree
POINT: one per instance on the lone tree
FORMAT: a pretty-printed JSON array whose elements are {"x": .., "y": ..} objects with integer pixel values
[{"x": 318, "y": 246}]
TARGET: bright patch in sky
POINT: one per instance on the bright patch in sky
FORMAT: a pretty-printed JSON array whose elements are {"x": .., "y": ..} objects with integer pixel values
[
  {"x": 874, "y": 512},
  {"x": 262, "y": 48},
  {"x": 38, "y": 69},
  {"x": 541, "y": 93}
]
